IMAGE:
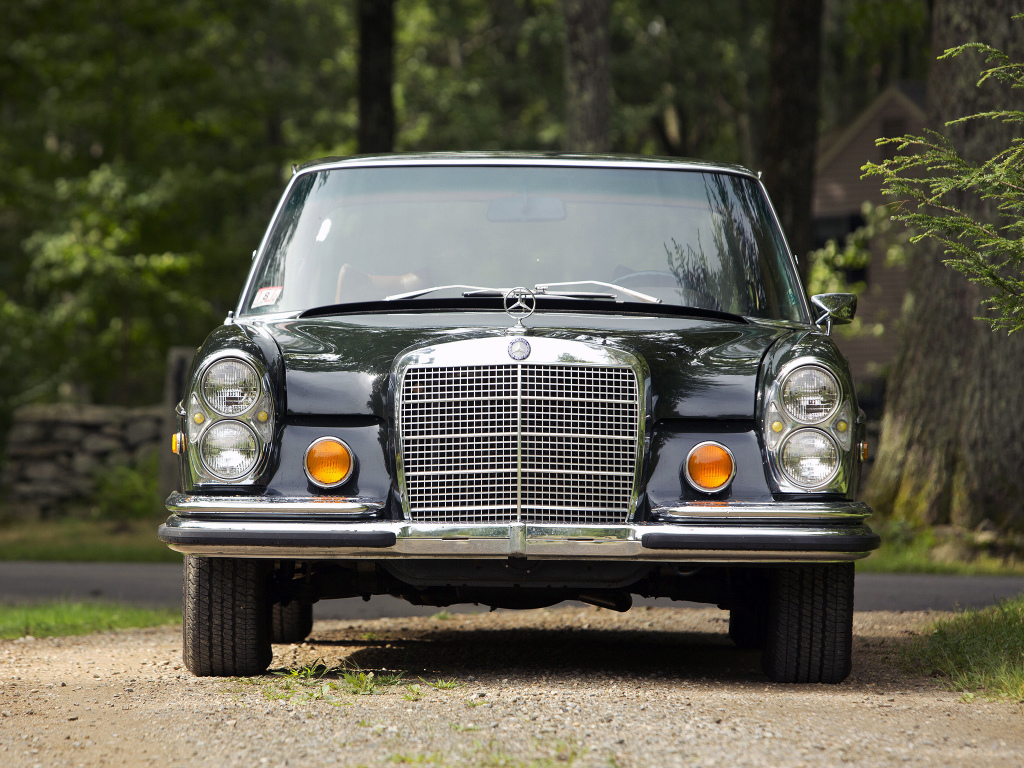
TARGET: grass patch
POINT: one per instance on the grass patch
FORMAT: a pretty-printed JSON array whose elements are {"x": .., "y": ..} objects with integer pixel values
[
  {"x": 60, "y": 618},
  {"x": 977, "y": 652},
  {"x": 318, "y": 682},
  {"x": 83, "y": 540},
  {"x": 906, "y": 549}
]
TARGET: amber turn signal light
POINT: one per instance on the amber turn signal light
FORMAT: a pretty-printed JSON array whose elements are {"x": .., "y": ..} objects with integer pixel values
[
  {"x": 328, "y": 462},
  {"x": 710, "y": 467}
]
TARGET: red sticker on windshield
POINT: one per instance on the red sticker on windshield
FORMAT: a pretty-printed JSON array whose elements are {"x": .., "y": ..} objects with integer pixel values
[{"x": 267, "y": 296}]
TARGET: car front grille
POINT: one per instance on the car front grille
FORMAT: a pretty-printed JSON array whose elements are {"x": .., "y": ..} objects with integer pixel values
[{"x": 528, "y": 442}]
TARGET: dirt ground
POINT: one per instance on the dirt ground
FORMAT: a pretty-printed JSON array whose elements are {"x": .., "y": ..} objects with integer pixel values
[{"x": 567, "y": 686}]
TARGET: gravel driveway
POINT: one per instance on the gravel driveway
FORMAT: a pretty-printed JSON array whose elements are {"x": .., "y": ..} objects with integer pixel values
[{"x": 567, "y": 686}]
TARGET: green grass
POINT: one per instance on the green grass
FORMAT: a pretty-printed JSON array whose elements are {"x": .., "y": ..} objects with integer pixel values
[
  {"x": 66, "y": 618},
  {"x": 976, "y": 652},
  {"x": 83, "y": 540},
  {"x": 909, "y": 550}
]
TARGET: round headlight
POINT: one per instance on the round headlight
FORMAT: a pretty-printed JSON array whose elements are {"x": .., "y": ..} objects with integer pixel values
[
  {"x": 809, "y": 458},
  {"x": 810, "y": 395},
  {"x": 230, "y": 387},
  {"x": 229, "y": 449}
]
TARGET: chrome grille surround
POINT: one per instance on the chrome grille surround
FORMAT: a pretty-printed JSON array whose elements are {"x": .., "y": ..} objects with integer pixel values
[{"x": 557, "y": 438}]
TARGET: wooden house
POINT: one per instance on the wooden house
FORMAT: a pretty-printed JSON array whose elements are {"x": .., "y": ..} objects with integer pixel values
[{"x": 839, "y": 195}]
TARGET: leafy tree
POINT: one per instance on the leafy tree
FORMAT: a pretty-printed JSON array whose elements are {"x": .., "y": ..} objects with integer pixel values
[
  {"x": 833, "y": 267},
  {"x": 950, "y": 451},
  {"x": 106, "y": 311},
  {"x": 932, "y": 173},
  {"x": 867, "y": 45}
]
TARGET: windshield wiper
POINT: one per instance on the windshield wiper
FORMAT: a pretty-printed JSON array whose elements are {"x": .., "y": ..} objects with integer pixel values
[
  {"x": 542, "y": 288},
  {"x": 424, "y": 291},
  {"x": 500, "y": 293}
]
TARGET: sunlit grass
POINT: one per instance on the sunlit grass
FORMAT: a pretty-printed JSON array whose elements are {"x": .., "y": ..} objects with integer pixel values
[
  {"x": 82, "y": 540},
  {"x": 59, "y": 618},
  {"x": 909, "y": 550},
  {"x": 976, "y": 652}
]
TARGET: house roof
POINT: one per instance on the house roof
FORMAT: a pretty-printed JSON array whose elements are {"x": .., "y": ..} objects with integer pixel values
[{"x": 910, "y": 96}]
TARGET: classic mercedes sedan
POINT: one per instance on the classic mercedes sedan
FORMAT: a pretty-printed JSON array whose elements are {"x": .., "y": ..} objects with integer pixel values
[{"x": 516, "y": 380}]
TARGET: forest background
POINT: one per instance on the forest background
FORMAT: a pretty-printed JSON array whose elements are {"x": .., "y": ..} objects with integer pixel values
[{"x": 144, "y": 144}]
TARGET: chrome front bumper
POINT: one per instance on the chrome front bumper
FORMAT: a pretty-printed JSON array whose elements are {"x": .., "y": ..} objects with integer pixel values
[{"x": 333, "y": 528}]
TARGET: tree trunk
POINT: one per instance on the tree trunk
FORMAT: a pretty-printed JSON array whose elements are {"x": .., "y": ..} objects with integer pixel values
[
  {"x": 789, "y": 150},
  {"x": 587, "y": 79},
  {"x": 376, "y": 75},
  {"x": 952, "y": 446}
]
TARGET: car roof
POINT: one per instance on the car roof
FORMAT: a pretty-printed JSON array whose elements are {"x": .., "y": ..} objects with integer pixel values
[{"x": 551, "y": 159}]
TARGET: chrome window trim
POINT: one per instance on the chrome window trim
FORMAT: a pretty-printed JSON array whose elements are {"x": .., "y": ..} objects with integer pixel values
[
  {"x": 544, "y": 352},
  {"x": 351, "y": 463},
  {"x": 693, "y": 483}
]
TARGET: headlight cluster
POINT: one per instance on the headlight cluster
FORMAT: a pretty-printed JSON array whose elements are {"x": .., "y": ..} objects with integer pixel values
[
  {"x": 230, "y": 420},
  {"x": 808, "y": 427}
]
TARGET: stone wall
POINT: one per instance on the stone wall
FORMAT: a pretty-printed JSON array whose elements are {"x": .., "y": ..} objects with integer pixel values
[{"x": 55, "y": 452}]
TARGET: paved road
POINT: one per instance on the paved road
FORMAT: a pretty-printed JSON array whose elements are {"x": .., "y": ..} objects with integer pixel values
[{"x": 160, "y": 585}]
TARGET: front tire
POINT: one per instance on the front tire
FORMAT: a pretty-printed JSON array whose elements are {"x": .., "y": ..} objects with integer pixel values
[
  {"x": 810, "y": 624},
  {"x": 226, "y": 626}
]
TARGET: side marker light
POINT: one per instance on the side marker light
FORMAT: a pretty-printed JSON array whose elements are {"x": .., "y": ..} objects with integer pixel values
[
  {"x": 328, "y": 462},
  {"x": 710, "y": 467}
]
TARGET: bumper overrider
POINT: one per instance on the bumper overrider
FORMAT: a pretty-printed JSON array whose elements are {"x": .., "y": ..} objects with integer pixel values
[{"x": 337, "y": 528}]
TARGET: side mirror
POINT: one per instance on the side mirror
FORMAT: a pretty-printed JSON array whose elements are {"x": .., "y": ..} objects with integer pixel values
[{"x": 834, "y": 309}]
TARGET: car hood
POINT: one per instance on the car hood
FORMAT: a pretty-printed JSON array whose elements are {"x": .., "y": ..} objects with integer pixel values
[{"x": 700, "y": 369}]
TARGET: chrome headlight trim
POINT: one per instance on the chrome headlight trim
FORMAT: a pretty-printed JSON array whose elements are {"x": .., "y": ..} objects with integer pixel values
[
  {"x": 196, "y": 406},
  {"x": 838, "y": 425}
]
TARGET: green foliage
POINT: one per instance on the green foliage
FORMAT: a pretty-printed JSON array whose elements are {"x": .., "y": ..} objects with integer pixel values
[
  {"x": 130, "y": 492},
  {"x": 144, "y": 144},
  {"x": 59, "y": 618},
  {"x": 319, "y": 682},
  {"x": 976, "y": 652},
  {"x": 933, "y": 180},
  {"x": 832, "y": 266},
  {"x": 868, "y": 45},
  {"x": 105, "y": 311},
  {"x": 443, "y": 684}
]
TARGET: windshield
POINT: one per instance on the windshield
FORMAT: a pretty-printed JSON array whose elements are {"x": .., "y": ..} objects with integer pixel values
[{"x": 691, "y": 238}]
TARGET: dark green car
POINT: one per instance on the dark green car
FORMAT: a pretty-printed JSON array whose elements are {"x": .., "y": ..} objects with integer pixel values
[{"x": 516, "y": 380}]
